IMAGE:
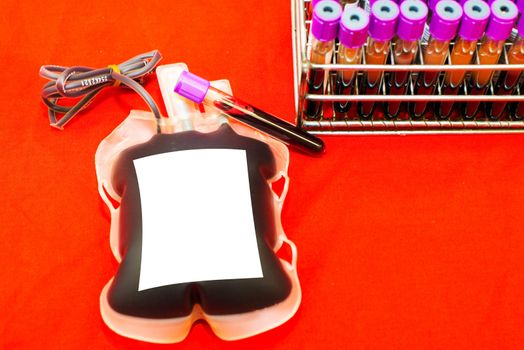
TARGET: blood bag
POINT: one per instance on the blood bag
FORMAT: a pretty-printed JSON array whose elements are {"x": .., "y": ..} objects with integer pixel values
[{"x": 195, "y": 224}]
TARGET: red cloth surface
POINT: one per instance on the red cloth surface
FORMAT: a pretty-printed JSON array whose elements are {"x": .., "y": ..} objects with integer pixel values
[{"x": 404, "y": 242}]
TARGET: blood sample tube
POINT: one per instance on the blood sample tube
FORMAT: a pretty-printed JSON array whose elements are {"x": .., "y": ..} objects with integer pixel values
[
  {"x": 200, "y": 91},
  {"x": 352, "y": 36},
  {"x": 324, "y": 30},
  {"x": 474, "y": 20},
  {"x": 382, "y": 26},
  {"x": 502, "y": 20},
  {"x": 413, "y": 15},
  {"x": 443, "y": 28},
  {"x": 508, "y": 80}
]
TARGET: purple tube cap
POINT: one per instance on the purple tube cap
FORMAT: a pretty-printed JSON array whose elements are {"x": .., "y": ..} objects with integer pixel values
[
  {"x": 326, "y": 17},
  {"x": 383, "y": 20},
  {"x": 503, "y": 16},
  {"x": 192, "y": 87},
  {"x": 413, "y": 15},
  {"x": 354, "y": 25},
  {"x": 446, "y": 19},
  {"x": 474, "y": 20}
]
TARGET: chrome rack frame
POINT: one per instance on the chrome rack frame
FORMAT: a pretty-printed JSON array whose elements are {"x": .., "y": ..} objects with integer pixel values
[{"x": 328, "y": 124}]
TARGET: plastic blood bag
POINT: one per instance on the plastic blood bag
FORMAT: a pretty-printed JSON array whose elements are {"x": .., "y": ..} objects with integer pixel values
[{"x": 197, "y": 229}]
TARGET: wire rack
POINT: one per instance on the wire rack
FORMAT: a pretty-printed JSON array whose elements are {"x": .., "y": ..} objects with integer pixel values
[{"x": 328, "y": 123}]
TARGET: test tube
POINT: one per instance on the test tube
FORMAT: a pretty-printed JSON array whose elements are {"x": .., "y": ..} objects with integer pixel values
[
  {"x": 352, "y": 36},
  {"x": 502, "y": 20},
  {"x": 324, "y": 30},
  {"x": 413, "y": 15},
  {"x": 474, "y": 20},
  {"x": 382, "y": 26},
  {"x": 443, "y": 28},
  {"x": 200, "y": 91},
  {"x": 508, "y": 80}
]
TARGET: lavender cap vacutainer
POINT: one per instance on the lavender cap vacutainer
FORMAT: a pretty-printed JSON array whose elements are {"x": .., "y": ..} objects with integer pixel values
[
  {"x": 383, "y": 20},
  {"x": 354, "y": 25},
  {"x": 326, "y": 16},
  {"x": 413, "y": 15},
  {"x": 192, "y": 87},
  {"x": 502, "y": 20},
  {"x": 474, "y": 20},
  {"x": 445, "y": 21}
]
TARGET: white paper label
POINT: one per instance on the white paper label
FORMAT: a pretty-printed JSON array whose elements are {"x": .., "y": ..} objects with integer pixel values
[{"x": 197, "y": 219}]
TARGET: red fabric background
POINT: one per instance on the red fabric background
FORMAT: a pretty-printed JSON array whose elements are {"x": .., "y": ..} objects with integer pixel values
[{"x": 404, "y": 242}]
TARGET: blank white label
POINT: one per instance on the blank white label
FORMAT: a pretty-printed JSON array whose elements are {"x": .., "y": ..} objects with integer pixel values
[{"x": 197, "y": 219}]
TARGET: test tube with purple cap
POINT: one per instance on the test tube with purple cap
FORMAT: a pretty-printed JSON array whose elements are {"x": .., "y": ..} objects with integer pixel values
[{"x": 200, "y": 91}]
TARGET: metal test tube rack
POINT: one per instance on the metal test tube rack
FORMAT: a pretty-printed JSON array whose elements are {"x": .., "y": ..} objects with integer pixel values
[{"x": 328, "y": 124}]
